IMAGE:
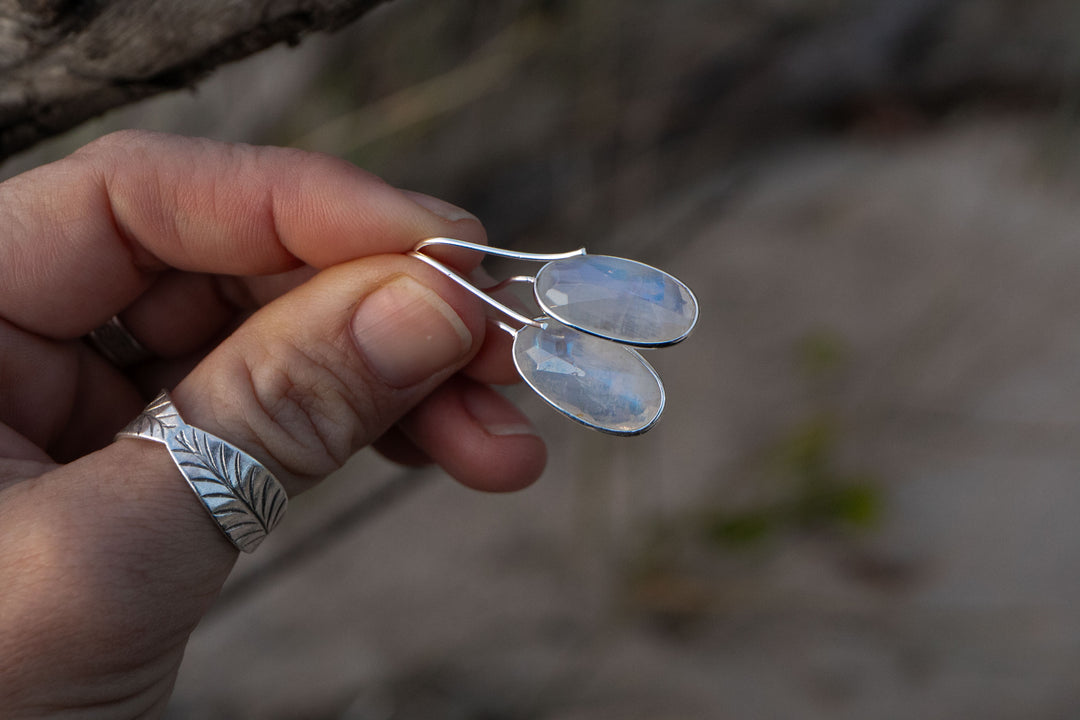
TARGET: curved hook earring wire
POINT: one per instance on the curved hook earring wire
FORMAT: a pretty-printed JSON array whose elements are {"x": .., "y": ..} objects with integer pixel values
[
  {"x": 506, "y": 310},
  {"x": 510, "y": 281},
  {"x": 483, "y": 294},
  {"x": 500, "y": 252}
]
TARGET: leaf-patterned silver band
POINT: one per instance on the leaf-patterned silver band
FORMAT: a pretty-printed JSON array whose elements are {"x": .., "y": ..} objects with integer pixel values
[{"x": 242, "y": 496}]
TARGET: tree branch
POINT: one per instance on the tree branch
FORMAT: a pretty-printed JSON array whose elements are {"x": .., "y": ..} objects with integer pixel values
[{"x": 65, "y": 61}]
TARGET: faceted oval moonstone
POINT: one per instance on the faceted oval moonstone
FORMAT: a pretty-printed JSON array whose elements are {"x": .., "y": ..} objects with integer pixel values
[
  {"x": 601, "y": 384},
  {"x": 616, "y": 298}
]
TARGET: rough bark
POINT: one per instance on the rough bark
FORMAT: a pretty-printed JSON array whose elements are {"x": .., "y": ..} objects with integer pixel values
[{"x": 65, "y": 61}]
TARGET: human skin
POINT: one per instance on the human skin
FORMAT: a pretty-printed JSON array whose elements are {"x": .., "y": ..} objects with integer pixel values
[{"x": 273, "y": 288}]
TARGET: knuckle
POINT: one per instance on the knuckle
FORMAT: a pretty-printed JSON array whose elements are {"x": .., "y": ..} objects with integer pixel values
[{"x": 306, "y": 411}]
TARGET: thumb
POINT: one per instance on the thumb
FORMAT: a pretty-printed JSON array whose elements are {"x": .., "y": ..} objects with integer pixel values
[{"x": 327, "y": 368}]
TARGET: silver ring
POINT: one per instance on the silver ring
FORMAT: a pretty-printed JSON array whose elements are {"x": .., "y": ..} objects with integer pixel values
[
  {"x": 116, "y": 343},
  {"x": 241, "y": 495}
]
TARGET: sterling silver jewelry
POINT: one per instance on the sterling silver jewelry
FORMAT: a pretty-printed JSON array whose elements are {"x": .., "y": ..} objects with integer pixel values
[
  {"x": 116, "y": 343},
  {"x": 577, "y": 353},
  {"x": 242, "y": 496}
]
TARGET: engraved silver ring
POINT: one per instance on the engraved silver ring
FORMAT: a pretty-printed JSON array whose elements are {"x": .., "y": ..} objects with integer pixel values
[{"x": 241, "y": 495}]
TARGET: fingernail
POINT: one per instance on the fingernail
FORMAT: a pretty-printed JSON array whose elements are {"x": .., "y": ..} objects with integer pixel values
[
  {"x": 496, "y": 415},
  {"x": 440, "y": 207},
  {"x": 407, "y": 333}
]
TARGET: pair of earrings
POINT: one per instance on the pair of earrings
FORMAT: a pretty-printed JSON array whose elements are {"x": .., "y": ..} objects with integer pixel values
[{"x": 579, "y": 355}]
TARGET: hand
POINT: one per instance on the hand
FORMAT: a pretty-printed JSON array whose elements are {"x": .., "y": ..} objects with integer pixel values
[{"x": 272, "y": 287}]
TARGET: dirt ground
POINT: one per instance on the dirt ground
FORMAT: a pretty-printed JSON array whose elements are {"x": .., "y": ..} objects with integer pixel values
[{"x": 861, "y": 500}]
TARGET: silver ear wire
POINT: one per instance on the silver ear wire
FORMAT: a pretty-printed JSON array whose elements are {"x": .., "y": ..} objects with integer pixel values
[
  {"x": 505, "y": 309},
  {"x": 500, "y": 252},
  {"x": 484, "y": 293}
]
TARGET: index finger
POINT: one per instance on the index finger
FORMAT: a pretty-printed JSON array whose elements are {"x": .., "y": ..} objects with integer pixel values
[{"x": 87, "y": 233}]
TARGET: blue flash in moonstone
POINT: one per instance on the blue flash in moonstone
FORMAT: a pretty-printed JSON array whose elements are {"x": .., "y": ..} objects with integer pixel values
[
  {"x": 617, "y": 299},
  {"x": 598, "y": 383}
]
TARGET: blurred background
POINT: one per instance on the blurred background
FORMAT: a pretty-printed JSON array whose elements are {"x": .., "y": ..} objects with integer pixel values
[{"x": 862, "y": 500}]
